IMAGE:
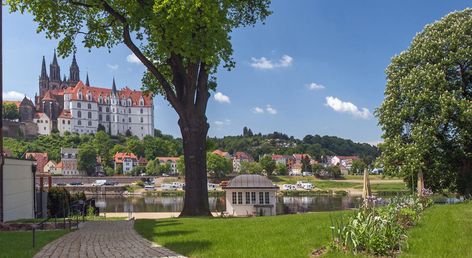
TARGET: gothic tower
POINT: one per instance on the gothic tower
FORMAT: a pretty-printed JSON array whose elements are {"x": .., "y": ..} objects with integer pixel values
[
  {"x": 74, "y": 75},
  {"x": 43, "y": 79},
  {"x": 54, "y": 74}
]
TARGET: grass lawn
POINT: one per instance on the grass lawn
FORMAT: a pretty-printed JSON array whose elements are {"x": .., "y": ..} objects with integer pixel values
[
  {"x": 279, "y": 236},
  {"x": 386, "y": 187},
  {"x": 20, "y": 244}
]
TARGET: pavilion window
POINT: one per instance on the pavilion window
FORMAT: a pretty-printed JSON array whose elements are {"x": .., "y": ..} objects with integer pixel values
[
  {"x": 248, "y": 198},
  {"x": 234, "y": 197},
  {"x": 266, "y": 197},
  {"x": 253, "y": 197},
  {"x": 261, "y": 198},
  {"x": 240, "y": 198}
]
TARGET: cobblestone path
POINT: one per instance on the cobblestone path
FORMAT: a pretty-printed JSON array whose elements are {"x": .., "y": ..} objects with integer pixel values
[{"x": 104, "y": 239}]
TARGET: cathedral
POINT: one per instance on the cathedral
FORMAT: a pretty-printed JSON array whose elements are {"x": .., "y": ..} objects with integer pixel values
[{"x": 70, "y": 105}]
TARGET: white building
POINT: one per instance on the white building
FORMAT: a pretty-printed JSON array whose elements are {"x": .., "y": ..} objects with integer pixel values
[
  {"x": 44, "y": 123},
  {"x": 248, "y": 195},
  {"x": 172, "y": 161},
  {"x": 118, "y": 112},
  {"x": 50, "y": 167},
  {"x": 127, "y": 160}
]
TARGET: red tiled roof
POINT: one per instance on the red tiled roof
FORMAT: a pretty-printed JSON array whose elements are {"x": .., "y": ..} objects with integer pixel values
[
  {"x": 125, "y": 93},
  {"x": 39, "y": 114},
  {"x": 165, "y": 159},
  {"x": 60, "y": 165},
  {"x": 48, "y": 97},
  {"x": 300, "y": 156},
  {"x": 16, "y": 103},
  {"x": 65, "y": 114},
  {"x": 120, "y": 156},
  {"x": 242, "y": 155},
  {"x": 221, "y": 153}
]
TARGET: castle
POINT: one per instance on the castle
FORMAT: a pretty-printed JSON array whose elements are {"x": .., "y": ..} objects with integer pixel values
[{"x": 69, "y": 105}]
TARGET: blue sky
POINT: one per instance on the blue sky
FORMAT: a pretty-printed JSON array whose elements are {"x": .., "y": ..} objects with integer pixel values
[{"x": 315, "y": 67}]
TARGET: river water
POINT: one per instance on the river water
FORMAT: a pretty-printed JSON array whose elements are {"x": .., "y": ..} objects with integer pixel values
[{"x": 285, "y": 205}]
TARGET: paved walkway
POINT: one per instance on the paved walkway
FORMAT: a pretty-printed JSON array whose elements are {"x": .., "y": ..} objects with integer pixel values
[{"x": 104, "y": 239}]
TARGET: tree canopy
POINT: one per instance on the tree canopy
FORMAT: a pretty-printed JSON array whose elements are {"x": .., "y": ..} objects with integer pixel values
[{"x": 426, "y": 116}]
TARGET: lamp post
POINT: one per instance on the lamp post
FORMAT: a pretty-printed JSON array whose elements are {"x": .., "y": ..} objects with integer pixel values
[{"x": 1, "y": 115}]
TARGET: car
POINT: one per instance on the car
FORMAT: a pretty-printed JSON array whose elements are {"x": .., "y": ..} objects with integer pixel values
[
  {"x": 99, "y": 182},
  {"x": 110, "y": 183},
  {"x": 165, "y": 175},
  {"x": 149, "y": 187},
  {"x": 76, "y": 183},
  {"x": 61, "y": 184}
]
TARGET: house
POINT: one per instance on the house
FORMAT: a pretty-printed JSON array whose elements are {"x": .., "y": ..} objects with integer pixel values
[
  {"x": 58, "y": 169},
  {"x": 142, "y": 161},
  {"x": 41, "y": 160},
  {"x": 221, "y": 153},
  {"x": 69, "y": 162},
  {"x": 248, "y": 195},
  {"x": 172, "y": 161},
  {"x": 44, "y": 123},
  {"x": 345, "y": 161},
  {"x": 50, "y": 167},
  {"x": 127, "y": 160},
  {"x": 238, "y": 158}
]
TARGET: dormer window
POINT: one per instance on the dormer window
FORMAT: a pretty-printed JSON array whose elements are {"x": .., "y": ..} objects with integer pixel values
[
  {"x": 89, "y": 96},
  {"x": 141, "y": 101},
  {"x": 100, "y": 99},
  {"x": 79, "y": 95},
  {"x": 129, "y": 102}
]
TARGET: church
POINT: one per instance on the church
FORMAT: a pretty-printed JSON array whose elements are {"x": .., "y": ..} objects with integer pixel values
[{"x": 69, "y": 105}]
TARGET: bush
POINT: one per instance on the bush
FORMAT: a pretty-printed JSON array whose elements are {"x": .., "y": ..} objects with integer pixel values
[
  {"x": 379, "y": 231},
  {"x": 59, "y": 201}
]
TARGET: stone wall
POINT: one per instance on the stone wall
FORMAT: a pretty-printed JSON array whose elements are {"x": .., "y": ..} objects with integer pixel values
[{"x": 19, "y": 130}]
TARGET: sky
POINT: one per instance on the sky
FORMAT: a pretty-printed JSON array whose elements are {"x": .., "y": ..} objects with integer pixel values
[{"x": 314, "y": 67}]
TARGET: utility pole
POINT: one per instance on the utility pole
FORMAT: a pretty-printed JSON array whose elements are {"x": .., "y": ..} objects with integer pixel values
[{"x": 1, "y": 114}]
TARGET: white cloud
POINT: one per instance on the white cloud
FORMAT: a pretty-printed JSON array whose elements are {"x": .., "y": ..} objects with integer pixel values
[
  {"x": 267, "y": 64},
  {"x": 132, "y": 58},
  {"x": 346, "y": 107},
  {"x": 220, "y": 97},
  {"x": 315, "y": 86},
  {"x": 221, "y": 124},
  {"x": 13, "y": 95},
  {"x": 112, "y": 67},
  {"x": 271, "y": 110},
  {"x": 257, "y": 110}
]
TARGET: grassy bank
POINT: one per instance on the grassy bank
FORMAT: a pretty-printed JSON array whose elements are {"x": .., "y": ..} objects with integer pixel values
[
  {"x": 278, "y": 236},
  {"x": 19, "y": 244}
]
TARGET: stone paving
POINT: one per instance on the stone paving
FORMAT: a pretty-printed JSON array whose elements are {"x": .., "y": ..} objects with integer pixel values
[{"x": 104, "y": 239}]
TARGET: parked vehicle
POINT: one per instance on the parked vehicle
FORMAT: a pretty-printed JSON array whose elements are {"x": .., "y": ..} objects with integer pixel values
[
  {"x": 167, "y": 187},
  {"x": 306, "y": 173},
  {"x": 377, "y": 171},
  {"x": 289, "y": 187},
  {"x": 110, "y": 183},
  {"x": 61, "y": 184},
  {"x": 76, "y": 183},
  {"x": 99, "y": 182},
  {"x": 178, "y": 185},
  {"x": 307, "y": 186},
  {"x": 149, "y": 187}
]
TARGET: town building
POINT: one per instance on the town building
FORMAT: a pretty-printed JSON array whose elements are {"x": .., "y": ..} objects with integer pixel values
[
  {"x": 251, "y": 195},
  {"x": 240, "y": 157},
  {"x": 127, "y": 161},
  {"x": 50, "y": 167},
  {"x": 221, "y": 153},
  {"x": 345, "y": 161},
  {"x": 69, "y": 162},
  {"x": 172, "y": 161},
  {"x": 69, "y": 105},
  {"x": 41, "y": 159}
]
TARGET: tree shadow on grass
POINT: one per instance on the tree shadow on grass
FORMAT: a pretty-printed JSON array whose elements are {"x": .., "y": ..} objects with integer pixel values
[
  {"x": 173, "y": 233},
  {"x": 188, "y": 247}
]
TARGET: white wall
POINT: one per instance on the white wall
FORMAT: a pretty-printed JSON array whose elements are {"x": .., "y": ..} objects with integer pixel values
[
  {"x": 18, "y": 197},
  {"x": 248, "y": 209}
]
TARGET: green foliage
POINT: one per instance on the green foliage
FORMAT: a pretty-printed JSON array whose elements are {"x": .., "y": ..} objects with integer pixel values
[
  {"x": 218, "y": 166},
  {"x": 334, "y": 171},
  {"x": 138, "y": 170},
  {"x": 152, "y": 168},
  {"x": 357, "y": 167},
  {"x": 87, "y": 159},
  {"x": 281, "y": 169},
  {"x": 10, "y": 111},
  {"x": 181, "y": 165},
  {"x": 426, "y": 116},
  {"x": 119, "y": 169},
  {"x": 58, "y": 201},
  {"x": 251, "y": 168},
  {"x": 267, "y": 164}
]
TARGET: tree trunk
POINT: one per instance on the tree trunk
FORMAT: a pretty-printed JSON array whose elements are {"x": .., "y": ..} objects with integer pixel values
[{"x": 194, "y": 132}]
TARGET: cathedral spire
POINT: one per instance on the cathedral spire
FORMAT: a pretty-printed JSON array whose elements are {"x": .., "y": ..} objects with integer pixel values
[
  {"x": 113, "y": 88},
  {"x": 44, "y": 73},
  {"x": 54, "y": 59},
  {"x": 54, "y": 69},
  {"x": 87, "y": 82},
  {"x": 74, "y": 75}
]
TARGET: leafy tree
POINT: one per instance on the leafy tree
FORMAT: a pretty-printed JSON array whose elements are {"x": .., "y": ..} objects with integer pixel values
[
  {"x": 152, "y": 168},
  {"x": 317, "y": 169},
  {"x": 138, "y": 170},
  {"x": 334, "y": 171},
  {"x": 87, "y": 159},
  {"x": 251, "y": 168},
  {"x": 267, "y": 164},
  {"x": 10, "y": 111},
  {"x": 134, "y": 145},
  {"x": 181, "y": 165},
  {"x": 426, "y": 116},
  {"x": 119, "y": 169},
  {"x": 281, "y": 169},
  {"x": 109, "y": 171},
  {"x": 165, "y": 168},
  {"x": 181, "y": 44},
  {"x": 306, "y": 163},
  {"x": 101, "y": 128},
  {"x": 218, "y": 166},
  {"x": 358, "y": 167},
  {"x": 102, "y": 144},
  {"x": 128, "y": 133}
]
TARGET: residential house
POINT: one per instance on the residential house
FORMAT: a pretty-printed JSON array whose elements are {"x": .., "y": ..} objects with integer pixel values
[
  {"x": 44, "y": 123},
  {"x": 240, "y": 157},
  {"x": 58, "y": 169},
  {"x": 69, "y": 162},
  {"x": 172, "y": 161},
  {"x": 41, "y": 160},
  {"x": 251, "y": 195},
  {"x": 221, "y": 153},
  {"x": 50, "y": 167},
  {"x": 345, "y": 161},
  {"x": 127, "y": 160}
]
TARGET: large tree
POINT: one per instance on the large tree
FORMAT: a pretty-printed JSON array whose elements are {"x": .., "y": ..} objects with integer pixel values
[
  {"x": 181, "y": 43},
  {"x": 218, "y": 166},
  {"x": 426, "y": 116}
]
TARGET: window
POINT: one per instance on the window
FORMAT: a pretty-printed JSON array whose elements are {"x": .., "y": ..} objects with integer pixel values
[
  {"x": 79, "y": 114},
  {"x": 79, "y": 105},
  {"x": 261, "y": 198},
  {"x": 142, "y": 120},
  {"x": 100, "y": 100},
  {"x": 266, "y": 197},
  {"x": 100, "y": 109},
  {"x": 234, "y": 197},
  {"x": 100, "y": 117},
  {"x": 79, "y": 122},
  {"x": 46, "y": 121},
  {"x": 89, "y": 106},
  {"x": 141, "y": 110},
  {"x": 107, "y": 109},
  {"x": 253, "y": 197},
  {"x": 63, "y": 121},
  {"x": 248, "y": 198},
  {"x": 108, "y": 118},
  {"x": 90, "y": 123},
  {"x": 240, "y": 198},
  {"x": 129, "y": 110},
  {"x": 68, "y": 122},
  {"x": 89, "y": 114},
  {"x": 129, "y": 119}
]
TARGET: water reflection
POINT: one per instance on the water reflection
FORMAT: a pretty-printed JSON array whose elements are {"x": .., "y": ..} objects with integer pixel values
[{"x": 285, "y": 205}]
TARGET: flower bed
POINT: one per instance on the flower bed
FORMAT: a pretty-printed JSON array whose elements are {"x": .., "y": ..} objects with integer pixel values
[{"x": 378, "y": 230}]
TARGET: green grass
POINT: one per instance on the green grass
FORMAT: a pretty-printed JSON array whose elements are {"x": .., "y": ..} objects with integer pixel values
[
  {"x": 386, "y": 187},
  {"x": 20, "y": 244},
  {"x": 444, "y": 231},
  {"x": 278, "y": 236}
]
